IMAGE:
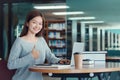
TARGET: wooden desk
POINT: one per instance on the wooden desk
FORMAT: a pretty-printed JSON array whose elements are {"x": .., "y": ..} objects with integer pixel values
[
  {"x": 91, "y": 71},
  {"x": 112, "y": 58}
]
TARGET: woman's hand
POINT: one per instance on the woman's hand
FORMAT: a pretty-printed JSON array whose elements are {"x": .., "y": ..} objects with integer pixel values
[
  {"x": 35, "y": 53},
  {"x": 64, "y": 61}
]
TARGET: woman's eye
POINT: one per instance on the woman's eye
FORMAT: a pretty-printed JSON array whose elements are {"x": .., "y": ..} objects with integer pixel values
[
  {"x": 40, "y": 23},
  {"x": 33, "y": 22}
]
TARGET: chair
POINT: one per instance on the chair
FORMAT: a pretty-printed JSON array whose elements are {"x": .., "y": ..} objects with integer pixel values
[{"x": 5, "y": 73}]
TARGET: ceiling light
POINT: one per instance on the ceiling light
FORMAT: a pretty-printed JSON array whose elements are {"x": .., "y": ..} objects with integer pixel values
[
  {"x": 52, "y": 7},
  {"x": 81, "y": 18},
  {"x": 92, "y": 21},
  {"x": 68, "y": 13}
]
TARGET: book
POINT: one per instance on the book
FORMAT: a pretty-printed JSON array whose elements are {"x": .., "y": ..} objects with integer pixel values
[
  {"x": 53, "y": 66},
  {"x": 88, "y": 62}
]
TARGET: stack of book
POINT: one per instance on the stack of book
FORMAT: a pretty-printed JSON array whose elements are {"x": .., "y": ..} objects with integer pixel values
[{"x": 88, "y": 62}]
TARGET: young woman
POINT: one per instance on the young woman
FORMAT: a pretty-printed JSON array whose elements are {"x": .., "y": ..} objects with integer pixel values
[{"x": 31, "y": 48}]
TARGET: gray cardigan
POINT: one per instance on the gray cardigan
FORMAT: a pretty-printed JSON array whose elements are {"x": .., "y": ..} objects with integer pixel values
[{"x": 20, "y": 58}]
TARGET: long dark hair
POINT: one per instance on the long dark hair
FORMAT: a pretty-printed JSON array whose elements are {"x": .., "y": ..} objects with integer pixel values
[{"x": 30, "y": 16}]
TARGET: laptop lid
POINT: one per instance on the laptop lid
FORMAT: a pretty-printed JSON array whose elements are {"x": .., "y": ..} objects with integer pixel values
[{"x": 77, "y": 47}]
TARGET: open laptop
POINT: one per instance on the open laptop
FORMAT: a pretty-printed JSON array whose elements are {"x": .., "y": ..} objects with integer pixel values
[{"x": 77, "y": 47}]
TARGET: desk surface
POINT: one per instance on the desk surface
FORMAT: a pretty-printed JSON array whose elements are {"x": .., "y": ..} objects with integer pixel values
[
  {"x": 102, "y": 67},
  {"x": 113, "y": 58}
]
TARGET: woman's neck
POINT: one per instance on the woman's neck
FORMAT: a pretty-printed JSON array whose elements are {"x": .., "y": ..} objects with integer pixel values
[{"x": 31, "y": 36}]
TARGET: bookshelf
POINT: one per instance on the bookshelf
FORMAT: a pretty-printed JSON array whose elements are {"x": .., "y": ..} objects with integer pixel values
[
  {"x": 55, "y": 35},
  {"x": 95, "y": 44},
  {"x": 69, "y": 38}
]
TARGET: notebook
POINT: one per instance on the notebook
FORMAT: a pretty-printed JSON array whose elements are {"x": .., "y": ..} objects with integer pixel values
[{"x": 52, "y": 66}]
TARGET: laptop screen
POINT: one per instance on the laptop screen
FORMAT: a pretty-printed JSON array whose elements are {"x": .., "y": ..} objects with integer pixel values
[{"x": 77, "y": 47}]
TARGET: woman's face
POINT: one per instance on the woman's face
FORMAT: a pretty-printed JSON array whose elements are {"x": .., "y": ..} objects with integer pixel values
[{"x": 35, "y": 25}]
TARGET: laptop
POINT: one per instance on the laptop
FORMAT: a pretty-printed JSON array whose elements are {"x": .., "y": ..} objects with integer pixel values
[{"x": 77, "y": 47}]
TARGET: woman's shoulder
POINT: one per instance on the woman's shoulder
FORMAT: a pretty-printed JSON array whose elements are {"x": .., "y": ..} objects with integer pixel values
[
  {"x": 41, "y": 38},
  {"x": 21, "y": 40},
  {"x": 18, "y": 41},
  {"x": 25, "y": 40}
]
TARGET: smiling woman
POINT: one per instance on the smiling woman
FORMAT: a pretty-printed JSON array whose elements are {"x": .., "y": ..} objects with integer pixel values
[{"x": 31, "y": 48}]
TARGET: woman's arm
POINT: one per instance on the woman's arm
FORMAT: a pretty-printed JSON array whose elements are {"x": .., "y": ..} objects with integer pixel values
[
  {"x": 14, "y": 60},
  {"x": 51, "y": 58}
]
